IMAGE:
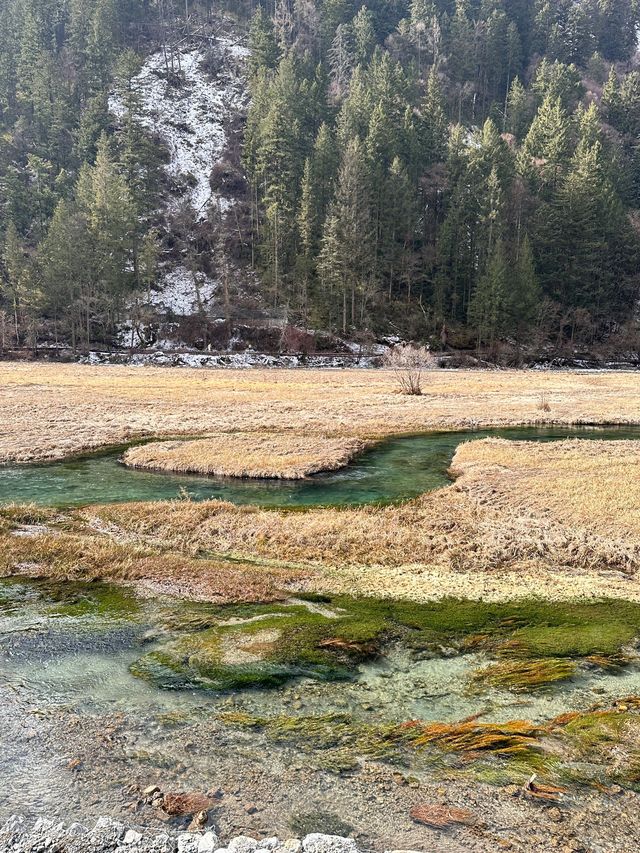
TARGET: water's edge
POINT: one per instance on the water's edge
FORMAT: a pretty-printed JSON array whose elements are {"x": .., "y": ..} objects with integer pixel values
[{"x": 393, "y": 470}]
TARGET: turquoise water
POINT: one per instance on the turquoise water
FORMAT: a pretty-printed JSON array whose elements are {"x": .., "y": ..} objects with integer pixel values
[{"x": 398, "y": 469}]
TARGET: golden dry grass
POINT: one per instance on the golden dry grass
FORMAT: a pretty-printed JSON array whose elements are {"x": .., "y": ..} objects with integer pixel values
[
  {"x": 87, "y": 556},
  {"x": 274, "y": 455},
  {"x": 552, "y": 520},
  {"x": 50, "y": 411},
  {"x": 521, "y": 519},
  {"x": 590, "y": 484}
]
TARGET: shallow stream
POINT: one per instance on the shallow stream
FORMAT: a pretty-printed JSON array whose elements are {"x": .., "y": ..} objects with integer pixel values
[
  {"x": 78, "y": 727},
  {"x": 69, "y": 649},
  {"x": 397, "y": 469}
]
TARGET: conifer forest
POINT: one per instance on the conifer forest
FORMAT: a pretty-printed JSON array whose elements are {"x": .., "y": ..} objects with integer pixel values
[{"x": 454, "y": 172}]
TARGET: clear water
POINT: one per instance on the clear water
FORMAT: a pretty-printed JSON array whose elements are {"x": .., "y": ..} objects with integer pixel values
[
  {"x": 65, "y": 653},
  {"x": 398, "y": 469},
  {"x": 65, "y": 645}
]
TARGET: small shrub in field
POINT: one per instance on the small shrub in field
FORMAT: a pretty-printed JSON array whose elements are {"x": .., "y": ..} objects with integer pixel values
[
  {"x": 544, "y": 405},
  {"x": 408, "y": 363}
]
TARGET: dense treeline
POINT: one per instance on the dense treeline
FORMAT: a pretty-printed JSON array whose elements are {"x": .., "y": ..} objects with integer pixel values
[
  {"x": 472, "y": 164},
  {"x": 79, "y": 191},
  {"x": 464, "y": 169}
]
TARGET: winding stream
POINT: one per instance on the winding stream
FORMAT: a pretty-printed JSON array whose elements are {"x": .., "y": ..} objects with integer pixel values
[
  {"x": 398, "y": 469},
  {"x": 78, "y": 724}
]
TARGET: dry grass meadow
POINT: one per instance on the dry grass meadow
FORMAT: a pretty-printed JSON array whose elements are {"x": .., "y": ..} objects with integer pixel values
[
  {"x": 273, "y": 455},
  {"x": 49, "y": 411},
  {"x": 554, "y": 520},
  {"x": 506, "y": 528}
]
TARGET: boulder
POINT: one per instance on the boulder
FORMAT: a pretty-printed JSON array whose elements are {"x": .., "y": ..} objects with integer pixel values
[
  {"x": 188, "y": 842},
  {"x": 318, "y": 843},
  {"x": 242, "y": 844},
  {"x": 107, "y": 832},
  {"x": 208, "y": 843}
]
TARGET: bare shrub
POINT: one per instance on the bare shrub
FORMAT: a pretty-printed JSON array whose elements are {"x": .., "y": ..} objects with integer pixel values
[
  {"x": 543, "y": 404},
  {"x": 408, "y": 363}
]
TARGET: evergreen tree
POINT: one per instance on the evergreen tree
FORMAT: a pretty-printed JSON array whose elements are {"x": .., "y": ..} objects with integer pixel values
[
  {"x": 348, "y": 237},
  {"x": 547, "y": 144},
  {"x": 489, "y": 303},
  {"x": 263, "y": 47},
  {"x": 524, "y": 295}
]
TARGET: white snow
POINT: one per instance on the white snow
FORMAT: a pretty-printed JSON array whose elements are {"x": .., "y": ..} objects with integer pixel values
[
  {"x": 190, "y": 117},
  {"x": 237, "y": 361},
  {"x": 184, "y": 292}
]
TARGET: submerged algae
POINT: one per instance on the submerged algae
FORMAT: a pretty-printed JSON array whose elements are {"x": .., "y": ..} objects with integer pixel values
[
  {"x": 526, "y": 674},
  {"x": 232, "y": 647},
  {"x": 593, "y": 748}
]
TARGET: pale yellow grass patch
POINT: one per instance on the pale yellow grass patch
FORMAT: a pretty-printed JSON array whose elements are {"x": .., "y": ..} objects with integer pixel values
[
  {"x": 593, "y": 485},
  {"x": 285, "y": 456},
  {"x": 521, "y": 519},
  {"x": 50, "y": 411}
]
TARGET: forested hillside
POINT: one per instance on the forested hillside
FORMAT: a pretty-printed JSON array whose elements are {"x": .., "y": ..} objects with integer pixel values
[{"x": 462, "y": 172}]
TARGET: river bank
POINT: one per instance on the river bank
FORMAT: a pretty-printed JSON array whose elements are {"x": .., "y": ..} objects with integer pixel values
[{"x": 112, "y": 836}]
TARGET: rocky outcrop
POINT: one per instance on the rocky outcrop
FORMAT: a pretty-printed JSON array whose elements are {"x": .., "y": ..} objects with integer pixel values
[{"x": 17, "y": 835}]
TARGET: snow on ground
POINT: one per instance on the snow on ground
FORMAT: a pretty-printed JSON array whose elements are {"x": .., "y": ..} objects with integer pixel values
[
  {"x": 238, "y": 361},
  {"x": 190, "y": 118},
  {"x": 183, "y": 292}
]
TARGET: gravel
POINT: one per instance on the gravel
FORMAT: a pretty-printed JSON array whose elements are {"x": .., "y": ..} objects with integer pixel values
[{"x": 17, "y": 835}]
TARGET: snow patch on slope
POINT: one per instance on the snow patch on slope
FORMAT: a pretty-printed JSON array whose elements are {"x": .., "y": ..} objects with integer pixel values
[
  {"x": 190, "y": 117},
  {"x": 184, "y": 292}
]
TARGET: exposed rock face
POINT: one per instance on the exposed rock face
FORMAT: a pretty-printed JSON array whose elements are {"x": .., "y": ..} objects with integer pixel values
[{"x": 111, "y": 836}]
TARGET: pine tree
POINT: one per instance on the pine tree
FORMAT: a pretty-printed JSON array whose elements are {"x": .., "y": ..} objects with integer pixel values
[
  {"x": 348, "y": 236},
  {"x": 546, "y": 146},
  {"x": 524, "y": 292},
  {"x": 264, "y": 52},
  {"x": 364, "y": 36},
  {"x": 611, "y": 100},
  {"x": 489, "y": 302},
  {"x": 16, "y": 281},
  {"x": 434, "y": 125},
  {"x": 341, "y": 60},
  {"x": 516, "y": 117}
]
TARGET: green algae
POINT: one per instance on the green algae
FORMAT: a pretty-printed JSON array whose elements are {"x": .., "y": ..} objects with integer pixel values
[
  {"x": 76, "y": 600},
  {"x": 601, "y": 637},
  {"x": 524, "y": 675},
  {"x": 230, "y": 647},
  {"x": 335, "y": 742}
]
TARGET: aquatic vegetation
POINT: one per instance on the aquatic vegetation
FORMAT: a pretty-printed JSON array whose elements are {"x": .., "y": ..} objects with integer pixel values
[
  {"x": 266, "y": 645},
  {"x": 526, "y": 674},
  {"x": 516, "y": 737},
  {"x": 589, "y": 748},
  {"x": 265, "y": 649},
  {"x": 319, "y": 821},
  {"x": 337, "y": 742},
  {"x": 573, "y": 640}
]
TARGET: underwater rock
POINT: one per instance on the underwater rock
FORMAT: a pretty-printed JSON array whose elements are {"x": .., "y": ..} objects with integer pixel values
[
  {"x": 181, "y": 804},
  {"x": 442, "y": 817}
]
